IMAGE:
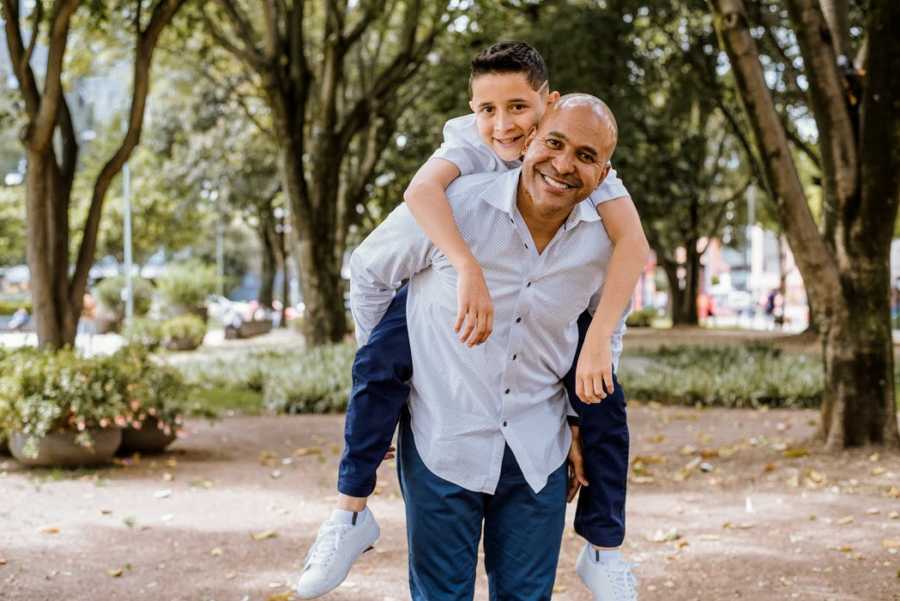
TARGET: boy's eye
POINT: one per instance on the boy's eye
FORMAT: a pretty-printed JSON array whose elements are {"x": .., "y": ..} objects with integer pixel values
[
  {"x": 519, "y": 107},
  {"x": 487, "y": 109},
  {"x": 551, "y": 143}
]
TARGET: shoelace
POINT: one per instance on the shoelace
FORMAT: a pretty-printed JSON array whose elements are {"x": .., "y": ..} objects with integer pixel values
[
  {"x": 326, "y": 544},
  {"x": 623, "y": 581}
]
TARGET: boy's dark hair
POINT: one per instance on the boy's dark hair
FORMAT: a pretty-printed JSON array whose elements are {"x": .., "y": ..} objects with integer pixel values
[{"x": 511, "y": 57}]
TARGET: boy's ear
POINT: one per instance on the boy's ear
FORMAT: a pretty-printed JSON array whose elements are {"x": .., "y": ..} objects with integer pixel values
[
  {"x": 528, "y": 139},
  {"x": 552, "y": 97}
]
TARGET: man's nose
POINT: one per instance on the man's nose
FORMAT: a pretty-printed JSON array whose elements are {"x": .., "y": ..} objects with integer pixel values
[{"x": 563, "y": 163}]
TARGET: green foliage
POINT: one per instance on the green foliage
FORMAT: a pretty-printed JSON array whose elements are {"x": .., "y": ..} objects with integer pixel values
[
  {"x": 642, "y": 318},
  {"x": 309, "y": 381},
  {"x": 12, "y": 216},
  {"x": 147, "y": 333},
  {"x": 733, "y": 376},
  {"x": 184, "y": 333},
  {"x": 110, "y": 294},
  {"x": 187, "y": 285},
  {"x": 318, "y": 383},
  {"x": 43, "y": 392},
  {"x": 8, "y": 307}
]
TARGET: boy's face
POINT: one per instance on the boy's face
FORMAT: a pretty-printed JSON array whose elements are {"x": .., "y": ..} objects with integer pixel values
[{"x": 506, "y": 110}]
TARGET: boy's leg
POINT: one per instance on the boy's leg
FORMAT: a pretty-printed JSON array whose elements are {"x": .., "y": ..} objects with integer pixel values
[
  {"x": 600, "y": 514},
  {"x": 443, "y": 527},
  {"x": 380, "y": 391},
  {"x": 523, "y": 533},
  {"x": 381, "y": 372}
]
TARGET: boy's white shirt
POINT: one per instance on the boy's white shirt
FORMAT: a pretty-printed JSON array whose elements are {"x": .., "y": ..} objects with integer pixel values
[{"x": 464, "y": 148}]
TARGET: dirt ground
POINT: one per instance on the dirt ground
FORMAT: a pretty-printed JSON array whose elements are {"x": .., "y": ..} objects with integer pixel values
[{"x": 723, "y": 504}]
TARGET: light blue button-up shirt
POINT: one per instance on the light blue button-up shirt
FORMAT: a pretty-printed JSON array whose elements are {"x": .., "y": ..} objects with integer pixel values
[{"x": 468, "y": 403}]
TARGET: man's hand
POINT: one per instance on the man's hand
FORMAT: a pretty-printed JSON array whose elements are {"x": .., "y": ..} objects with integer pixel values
[
  {"x": 577, "y": 478},
  {"x": 391, "y": 453},
  {"x": 594, "y": 371},
  {"x": 475, "y": 310}
]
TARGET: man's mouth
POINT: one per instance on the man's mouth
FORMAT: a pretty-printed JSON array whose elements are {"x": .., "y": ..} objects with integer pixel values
[{"x": 557, "y": 183}]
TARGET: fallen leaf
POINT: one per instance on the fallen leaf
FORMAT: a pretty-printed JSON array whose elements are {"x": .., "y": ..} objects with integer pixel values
[
  {"x": 845, "y": 520},
  {"x": 2, "y": 561},
  {"x": 116, "y": 573},
  {"x": 873, "y": 457},
  {"x": 877, "y": 471},
  {"x": 894, "y": 492},
  {"x": 664, "y": 537},
  {"x": 50, "y": 530},
  {"x": 216, "y": 552},
  {"x": 710, "y": 537},
  {"x": 285, "y": 596},
  {"x": 894, "y": 515},
  {"x": 276, "y": 474},
  {"x": 201, "y": 483},
  {"x": 873, "y": 511},
  {"x": 688, "y": 450},
  {"x": 168, "y": 477},
  {"x": 559, "y": 588},
  {"x": 891, "y": 543},
  {"x": 163, "y": 494},
  {"x": 643, "y": 479},
  {"x": 268, "y": 458},
  {"x": 172, "y": 462},
  {"x": 230, "y": 575},
  {"x": 129, "y": 521},
  {"x": 264, "y": 535},
  {"x": 795, "y": 452},
  {"x": 649, "y": 459}
]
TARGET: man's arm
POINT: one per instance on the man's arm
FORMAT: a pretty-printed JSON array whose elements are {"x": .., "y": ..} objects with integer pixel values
[
  {"x": 395, "y": 251},
  {"x": 629, "y": 256}
]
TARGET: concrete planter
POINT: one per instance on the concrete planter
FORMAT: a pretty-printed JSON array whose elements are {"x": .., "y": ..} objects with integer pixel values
[
  {"x": 148, "y": 440},
  {"x": 59, "y": 449}
]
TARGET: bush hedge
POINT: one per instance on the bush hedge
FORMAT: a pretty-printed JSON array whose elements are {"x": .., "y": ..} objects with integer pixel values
[
  {"x": 8, "y": 307},
  {"x": 733, "y": 376},
  {"x": 110, "y": 295},
  {"x": 185, "y": 287},
  {"x": 642, "y": 318},
  {"x": 184, "y": 333}
]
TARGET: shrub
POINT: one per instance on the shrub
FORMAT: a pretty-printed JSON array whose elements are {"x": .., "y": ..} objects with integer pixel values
[
  {"x": 43, "y": 392},
  {"x": 110, "y": 294},
  {"x": 8, "y": 307},
  {"x": 144, "y": 332},
  {"x": 185, "y": 286},
  {"x": 183, "y": 333},
  {"x": 734, "y": 376},
  {"x": 642, "y": 318},
  {"x": 318, "y": 382}
]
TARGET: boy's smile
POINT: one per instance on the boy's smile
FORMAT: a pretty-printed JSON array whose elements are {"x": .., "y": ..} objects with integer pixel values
[{"x": 506, "y": 110}]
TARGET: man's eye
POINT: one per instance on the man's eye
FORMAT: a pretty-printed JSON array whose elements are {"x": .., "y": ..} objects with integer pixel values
[{"x": 585, "y": 157}]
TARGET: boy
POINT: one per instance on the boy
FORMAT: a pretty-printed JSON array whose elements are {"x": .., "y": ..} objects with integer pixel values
[{"x": 509, "y": 90}]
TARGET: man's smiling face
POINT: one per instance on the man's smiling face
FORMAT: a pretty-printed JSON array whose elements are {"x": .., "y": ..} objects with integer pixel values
[
  {"x": 568, "y": 156},
  {"x": 506, "y": 110}
]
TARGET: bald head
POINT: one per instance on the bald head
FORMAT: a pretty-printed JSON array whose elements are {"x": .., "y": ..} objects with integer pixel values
[{"x": 605, "y": 120}]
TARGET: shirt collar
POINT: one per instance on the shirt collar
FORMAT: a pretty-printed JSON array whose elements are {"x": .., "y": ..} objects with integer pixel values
[{"x": 502, "y": 193}]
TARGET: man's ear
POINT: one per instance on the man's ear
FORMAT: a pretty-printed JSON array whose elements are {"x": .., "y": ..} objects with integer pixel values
[
  {"x": 604, "y": 172},
  {"x": 472, "y": 105}
]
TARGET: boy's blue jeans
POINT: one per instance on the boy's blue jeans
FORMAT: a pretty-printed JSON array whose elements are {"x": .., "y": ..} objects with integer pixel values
[{"x": 381, "y": 373}]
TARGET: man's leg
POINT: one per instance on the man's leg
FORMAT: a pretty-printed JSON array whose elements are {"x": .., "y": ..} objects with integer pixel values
[
  {"x": 381, "y": 371},
  {"x": 600, "y": 514},
  {"x": 523, "y": 533},
  {"x": 443, "y": 526}
]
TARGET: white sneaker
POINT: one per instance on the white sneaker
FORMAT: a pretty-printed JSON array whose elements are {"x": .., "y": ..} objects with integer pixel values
[
  {"x": 609, "y": 580},
  {"x": 339, "y": 543}
]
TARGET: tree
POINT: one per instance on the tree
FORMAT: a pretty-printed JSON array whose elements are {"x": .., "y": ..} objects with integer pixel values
[
  {"x": 57, "y": 296},
  {"x": 333, "y": 78},
  {"x": 846, "y": 266}
]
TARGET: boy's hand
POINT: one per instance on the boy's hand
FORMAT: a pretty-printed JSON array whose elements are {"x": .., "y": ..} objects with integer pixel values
[
  {"x": 475, "y": 310},
  {"x": 594, "y": 371},
  {"x": 577, "y": 478}
]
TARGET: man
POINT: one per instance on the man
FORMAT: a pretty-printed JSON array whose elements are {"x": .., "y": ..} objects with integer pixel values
[{"x": 486, "y": 439}]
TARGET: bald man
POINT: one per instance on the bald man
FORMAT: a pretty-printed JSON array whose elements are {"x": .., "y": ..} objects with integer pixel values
[{"x": 486, "y": 439}]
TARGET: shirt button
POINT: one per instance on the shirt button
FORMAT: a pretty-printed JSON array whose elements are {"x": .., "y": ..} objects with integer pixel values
[
  {"x": 528, "y": 285},
  {"x": 504, "y": 424},
  {"x": 518, "y": 319},
  {"x": 526, "y": 246},
  {"x": 506, "y": 391},
  {"x": 514, "y": 357}
]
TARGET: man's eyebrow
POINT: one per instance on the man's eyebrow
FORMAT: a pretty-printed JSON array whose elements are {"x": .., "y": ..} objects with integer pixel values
[{"x": 562, "y": 136}]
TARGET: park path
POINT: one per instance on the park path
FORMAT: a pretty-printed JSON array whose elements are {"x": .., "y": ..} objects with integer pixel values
[{"x": 228, "y": 514}]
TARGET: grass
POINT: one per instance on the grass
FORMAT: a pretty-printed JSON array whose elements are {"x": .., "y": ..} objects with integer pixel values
[{"x": 225, "y": 399}]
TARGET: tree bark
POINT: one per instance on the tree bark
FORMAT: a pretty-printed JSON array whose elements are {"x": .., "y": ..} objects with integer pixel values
[{"x": 269, "y": 267}]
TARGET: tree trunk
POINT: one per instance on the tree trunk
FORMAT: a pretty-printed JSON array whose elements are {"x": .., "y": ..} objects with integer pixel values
[
  {"x": 850, "y": 287},
  {"x": 269, "y": 267},
  {"x": 324, "y": 317},
  {"x": 285, "y": 274}
]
